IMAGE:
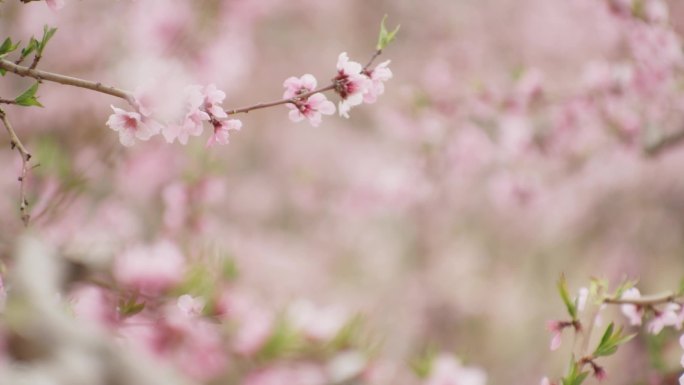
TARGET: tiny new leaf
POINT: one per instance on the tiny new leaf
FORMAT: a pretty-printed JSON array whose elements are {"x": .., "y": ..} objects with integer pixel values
[
  {"x": 28, "y": 98},
  {"x": 47, "y": 35},
  {"x": 7, "y": 47},
  {"x": 610, "y": 341},
  {"x": 385, "y": 36},
  {"x": 565, "y": 296},
  {"x": 575, "y": 374}
]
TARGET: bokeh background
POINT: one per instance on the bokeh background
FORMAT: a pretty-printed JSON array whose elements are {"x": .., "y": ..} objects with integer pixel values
[{"x": 514, "y": 143}]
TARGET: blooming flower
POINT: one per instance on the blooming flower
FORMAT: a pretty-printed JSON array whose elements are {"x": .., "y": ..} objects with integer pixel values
[
  {"x": 313, "y": 106},
  {"x": 350, "y": 84},
  {"x": 296, "y": 86},
  {"x": 633, "y": 312},
  {"x": 666, "y": 317},
  {"x": 131, "y": 125},
  {"x": 222, "y": 130},
  {"x": 311, "y": 109},
  {"x": 378, "y": 76},
  {"x": 213, "y": 97}
]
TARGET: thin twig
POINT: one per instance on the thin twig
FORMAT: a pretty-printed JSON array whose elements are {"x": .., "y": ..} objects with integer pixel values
[
  {"x": 15, "y": 142},
  {"x": 296, "y": 99},
  {"x": 649, "y": 300},
  {"x": 63, "y": 79}
]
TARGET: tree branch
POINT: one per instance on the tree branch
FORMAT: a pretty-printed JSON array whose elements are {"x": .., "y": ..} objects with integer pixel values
[
  {"x": 649, "y": 300},
  {"x": 66, "y": 80},
  {"x": 25, "y": 158}
]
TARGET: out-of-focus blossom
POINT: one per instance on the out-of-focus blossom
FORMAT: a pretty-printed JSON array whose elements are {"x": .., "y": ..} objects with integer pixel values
[
  {"x": 447, "y": 370},
  {"x": 556, "y": 329},
  {"x": 192, "y": 306},
  {"x": 213, "y": 97},
  {"x": 350, "y": 84},
  {"x": 581, "y": 299},
  {"x": 346, "y": 366},
  {"x": 321, "y": 324},
  {"x": 150, "y": 269},
  {"x": 131, "y": 125},
  {"x": 378, "y": 76},
  {"x": 222, "y": 130},
  {"x": 299, "y": 374},
  {"x": 93, "y": 303},
  {"x": 633, "y": 312},
  {"x": 254, "y": 323},
  {"x": 669, "y": 316},
  {"x": 55, "y": 5}
]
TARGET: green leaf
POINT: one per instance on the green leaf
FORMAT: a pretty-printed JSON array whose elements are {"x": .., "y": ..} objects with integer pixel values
[
  {"x": 565, "y": 296},
  {"x": 47, "y": 35},
  {"x": 610, "y": 341},
  {"x": 32, "y": 46},
  {"x": 7, "y": 47},
  {"x": 385, "y": 36},
  {"x": 28, "y": 98},
  {"x": 575, "y": 376}
]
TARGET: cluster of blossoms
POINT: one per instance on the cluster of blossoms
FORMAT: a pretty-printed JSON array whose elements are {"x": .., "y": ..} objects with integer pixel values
[
  {"x": 665, "y": 311},
  {"x": 353, "y": 83}
]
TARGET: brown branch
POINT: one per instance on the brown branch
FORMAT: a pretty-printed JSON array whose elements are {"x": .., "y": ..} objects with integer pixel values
[
  {"x": 292, "y": 100},
  {"x": 663, "y": 143},
  {"x": 63, "y": 79},
  {"x": 649, "y": 300},
  {"x": 15, "y": 142}
]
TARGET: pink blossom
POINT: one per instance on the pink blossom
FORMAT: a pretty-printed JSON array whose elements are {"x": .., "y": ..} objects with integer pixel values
[
  {"x": 55, "y": 5},
  {"x": 666, "y": 317},
  {"x": 311, "y": 109},
  {"x": 681, "y": 343},
  {"x": 150, "y": 269},
  {"x": 131, "y": 125},
  {"x": 581, "y": 299},
  {"x": 295, "y": 86},
  {"x": 189, "y": 305},
  {"x": 633, "y": 312},
  {"x": 192, "y": 124},
  {"x": 320, "y": 324},
  {"x": 213, "y": 97},
  {"x": 546, "y": 381},
  {"x": 378, "y": 76},
  {"x": 313, "y": 106},
  {"x": 222, "y": 130},
  {"x": 350, "y": 84},
  {"x": 447, "y": 370},
  {"x": 556, "y": 329},
  {"x": 93, "y": 303}
]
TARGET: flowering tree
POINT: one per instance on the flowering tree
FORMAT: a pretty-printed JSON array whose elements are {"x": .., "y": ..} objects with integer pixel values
[{"x": 413, "y": 242}]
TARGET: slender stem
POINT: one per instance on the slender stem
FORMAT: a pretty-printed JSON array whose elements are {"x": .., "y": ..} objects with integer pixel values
[
  {"x": 63, "y": 79},
  {"x": 25, "y": 158},
  {"x": 372, "y": 59},
  {"x": 292, "y": 100},
  {"x": 663, "y": 143},
  {"x": 649, "y": 300}
]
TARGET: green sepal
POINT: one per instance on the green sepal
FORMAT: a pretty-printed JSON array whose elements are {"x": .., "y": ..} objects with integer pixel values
[{"x": 570, "y": 305}]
